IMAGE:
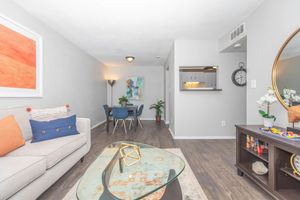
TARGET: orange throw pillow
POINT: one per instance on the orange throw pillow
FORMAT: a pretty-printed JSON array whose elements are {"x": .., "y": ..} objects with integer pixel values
[{"x": 11, "y": 137}]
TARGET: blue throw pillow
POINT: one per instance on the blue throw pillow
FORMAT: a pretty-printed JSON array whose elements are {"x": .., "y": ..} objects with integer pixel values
[{"x": 47, "y": 130}]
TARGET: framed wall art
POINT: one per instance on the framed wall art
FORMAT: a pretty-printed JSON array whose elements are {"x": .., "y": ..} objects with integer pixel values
[
  {"x": 20, "y": 61},
  {"x": 134, "y": 88}
]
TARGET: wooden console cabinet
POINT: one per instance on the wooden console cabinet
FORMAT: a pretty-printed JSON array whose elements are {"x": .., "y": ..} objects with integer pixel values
[{"x": 280, "y": 182}]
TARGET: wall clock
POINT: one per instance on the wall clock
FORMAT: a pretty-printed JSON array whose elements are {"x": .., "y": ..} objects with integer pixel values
[{"x": 239, "y": 76}]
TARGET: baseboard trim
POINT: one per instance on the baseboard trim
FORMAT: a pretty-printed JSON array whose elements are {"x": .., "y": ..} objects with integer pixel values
[
  {"x": 204, "y": 137},
  {"x": 153, "y": 119},
  {"x": 172, "y": 133},
  {"x": 98, "y": 124},
  {"x": 148, "y": 118}
]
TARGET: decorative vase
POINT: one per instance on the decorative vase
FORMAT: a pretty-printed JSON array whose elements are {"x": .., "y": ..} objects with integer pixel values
[
  {"x": 123, "y": 103},
  {"x": 158, "y": 119},
  {"x": 268, "y": 122}
]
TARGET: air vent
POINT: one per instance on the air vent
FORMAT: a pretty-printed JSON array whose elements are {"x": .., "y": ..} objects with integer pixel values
[{"x": 237, "y": 31}]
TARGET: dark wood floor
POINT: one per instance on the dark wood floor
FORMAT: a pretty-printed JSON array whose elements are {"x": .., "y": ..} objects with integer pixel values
[{"x": 212, "y": 162}]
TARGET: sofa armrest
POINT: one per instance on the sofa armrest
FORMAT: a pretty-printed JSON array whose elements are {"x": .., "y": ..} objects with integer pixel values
[{"x": 84, "y": 126}]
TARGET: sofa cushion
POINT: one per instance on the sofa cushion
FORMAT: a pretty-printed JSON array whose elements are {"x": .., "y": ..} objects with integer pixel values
[
  {"x": 54, "y": 150},
  {"x": 17, "y": 172},
  {"x": 11, "y": 137},
  {"x": 47, "y": 130},
  {"x": 47, "y": 114},
  {"x": 22, "y": 118}
]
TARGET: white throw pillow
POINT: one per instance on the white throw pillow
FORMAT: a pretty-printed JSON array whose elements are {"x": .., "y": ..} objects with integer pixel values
[{"x": 48, "y": 114}]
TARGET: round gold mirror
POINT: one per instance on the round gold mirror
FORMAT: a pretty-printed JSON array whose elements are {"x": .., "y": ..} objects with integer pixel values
[{"x": 286, "y": 72}]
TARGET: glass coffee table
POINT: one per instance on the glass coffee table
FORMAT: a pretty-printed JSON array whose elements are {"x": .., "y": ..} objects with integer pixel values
[{"x": 129, "y": 170}]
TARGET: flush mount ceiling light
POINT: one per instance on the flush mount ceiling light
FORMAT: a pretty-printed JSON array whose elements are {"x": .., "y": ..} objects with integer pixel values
[
  {"x": 130, "y": 58},
  {"x": 237, "y": 45}
]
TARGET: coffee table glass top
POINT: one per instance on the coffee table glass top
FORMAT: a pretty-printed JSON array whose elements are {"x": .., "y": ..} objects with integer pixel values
[{"x": 110, "y": 177}]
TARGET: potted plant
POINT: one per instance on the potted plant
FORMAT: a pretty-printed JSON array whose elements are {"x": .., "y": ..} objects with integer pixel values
[
  {"x": 158, "y": 106},
  {"x": 266, "y": 101},
  {"x": 123, "y": 100}
]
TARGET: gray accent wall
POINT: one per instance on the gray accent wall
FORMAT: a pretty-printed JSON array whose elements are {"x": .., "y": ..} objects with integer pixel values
[{"x": 70, "y": 75}]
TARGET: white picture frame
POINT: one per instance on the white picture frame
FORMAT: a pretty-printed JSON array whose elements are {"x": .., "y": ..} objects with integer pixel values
[{"x": 21, "y": 92}]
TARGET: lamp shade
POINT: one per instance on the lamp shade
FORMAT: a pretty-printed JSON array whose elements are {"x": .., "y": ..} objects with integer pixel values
[{"x": 111, "y": 82}]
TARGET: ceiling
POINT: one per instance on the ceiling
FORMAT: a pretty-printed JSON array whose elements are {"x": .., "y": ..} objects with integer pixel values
[{"x": 109, "y": 30}]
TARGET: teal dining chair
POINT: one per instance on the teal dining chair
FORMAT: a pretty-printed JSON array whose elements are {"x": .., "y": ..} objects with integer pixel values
[
  {"x": 139, "y": 114},
  {"x": 119, "y": 114}
]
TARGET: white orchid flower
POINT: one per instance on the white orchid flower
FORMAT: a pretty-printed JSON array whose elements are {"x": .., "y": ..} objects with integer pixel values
[
  {"x": 271, "y": 91},
  {"x": 268, "y": 98},
  {"x": 290, "y": 95},
  {"x": 296, "y": 98}
]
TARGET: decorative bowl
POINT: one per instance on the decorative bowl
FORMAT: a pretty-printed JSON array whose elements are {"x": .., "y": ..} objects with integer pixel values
[{"x": 259, "y": 168}]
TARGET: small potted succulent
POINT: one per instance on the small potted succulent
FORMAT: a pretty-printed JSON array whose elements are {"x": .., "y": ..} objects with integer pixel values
[
  {"x": 266, "y": 101},
  {"x": 123, "y": 100},
  {"x": 158, "y": 107}
]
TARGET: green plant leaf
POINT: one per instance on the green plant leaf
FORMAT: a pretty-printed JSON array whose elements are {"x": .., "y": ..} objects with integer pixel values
[
  {"x": 262, "y": 113},
  {"x": 158, "y": 106},
  {"x": 123, "y": 99}
]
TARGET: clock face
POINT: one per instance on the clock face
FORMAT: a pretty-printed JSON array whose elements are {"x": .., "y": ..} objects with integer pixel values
[{"x": 239, "y": 77}]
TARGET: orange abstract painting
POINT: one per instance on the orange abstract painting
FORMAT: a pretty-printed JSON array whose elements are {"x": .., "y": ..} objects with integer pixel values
[{"x": 17, "y": 60}]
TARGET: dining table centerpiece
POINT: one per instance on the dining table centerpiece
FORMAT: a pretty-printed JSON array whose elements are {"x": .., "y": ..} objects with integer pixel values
[
  {"x": 265, "y": 102},
  {"x": 123, "y": 100}
]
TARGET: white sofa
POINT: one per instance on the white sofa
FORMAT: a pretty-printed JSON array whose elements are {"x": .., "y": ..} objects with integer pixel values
[{"x": 30, "y": 170}]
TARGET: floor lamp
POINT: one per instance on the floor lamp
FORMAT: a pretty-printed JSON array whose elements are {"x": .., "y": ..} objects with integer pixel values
[{"x": 111, "y": 83}]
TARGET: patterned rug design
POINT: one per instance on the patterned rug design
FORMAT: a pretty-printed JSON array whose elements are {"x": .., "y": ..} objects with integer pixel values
[{"x": 191, "y": 189}]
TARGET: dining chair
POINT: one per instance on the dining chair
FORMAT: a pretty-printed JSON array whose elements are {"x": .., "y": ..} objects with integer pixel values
[
  {"x": 108, "y": 115},
  {"x": 120, "y": 114},
  {"x": 130, "y": 112},
  {"x": 139, "y": 114}
]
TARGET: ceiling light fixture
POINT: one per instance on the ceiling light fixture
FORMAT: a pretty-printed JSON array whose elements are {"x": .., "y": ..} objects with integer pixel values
[
  {"x": 130, "y": 58},
  {"x": 237, "y": 45}
]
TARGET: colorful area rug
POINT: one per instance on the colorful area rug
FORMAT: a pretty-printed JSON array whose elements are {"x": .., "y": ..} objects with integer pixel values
[{"x": 190, "y": 187}]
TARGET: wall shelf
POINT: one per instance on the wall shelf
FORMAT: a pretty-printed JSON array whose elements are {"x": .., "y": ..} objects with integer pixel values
[
  {"x": 201, "y": 89},
  {"x": 263, "y": 157},
  {"x": 246, "y": 168},
  {"x": 289, "y": 171}
]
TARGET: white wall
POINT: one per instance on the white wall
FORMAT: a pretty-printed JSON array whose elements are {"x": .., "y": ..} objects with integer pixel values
[
  {"x": 70, "y": 75},
  {"x": 170, "y": 88},
  {"x": 198, "y": 114},
  {"x": 153, "y": 88},
  {"x": 267, "y": 29}
]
